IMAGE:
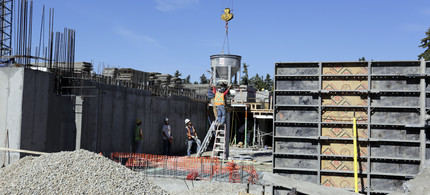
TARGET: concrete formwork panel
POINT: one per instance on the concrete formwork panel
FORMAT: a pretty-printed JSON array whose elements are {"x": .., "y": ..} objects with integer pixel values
[
  {"x": 305, "y": 115},
  {"x": 289, "y": 162},
  {"x": 293, "y": 146},
  {"x": 302, "y": 84},
  {"x": 297, "y": 99},
  {"x": 386, "y": 98},
  {"x": 346, "y": 182},
  {"x": 304, "y": 176},
  {"x": 296, "y": 131}
]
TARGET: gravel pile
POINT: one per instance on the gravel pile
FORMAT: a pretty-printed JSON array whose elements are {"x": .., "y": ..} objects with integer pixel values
[{"x": 78, "y": 172}]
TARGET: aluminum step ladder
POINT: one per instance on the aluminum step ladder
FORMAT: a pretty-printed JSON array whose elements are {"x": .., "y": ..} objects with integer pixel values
[
  {"x": 219, "y": 145},
  {"x": 207, "y": 139}
]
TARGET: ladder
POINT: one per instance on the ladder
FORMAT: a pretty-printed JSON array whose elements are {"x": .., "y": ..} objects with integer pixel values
[
  {"x": 219, "y": 144},
  {"x": 207, "y": 139}
]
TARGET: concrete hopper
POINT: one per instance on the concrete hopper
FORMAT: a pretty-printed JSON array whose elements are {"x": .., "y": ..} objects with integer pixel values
[{"x": 224, "y": 66}]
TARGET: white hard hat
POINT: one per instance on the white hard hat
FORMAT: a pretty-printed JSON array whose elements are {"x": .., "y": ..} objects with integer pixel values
[
  {"x": 166, "y": 119},
  {"x": 187, "y": 121}
]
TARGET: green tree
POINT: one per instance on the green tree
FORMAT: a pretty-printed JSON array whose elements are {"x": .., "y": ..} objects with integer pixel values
[
  {"x": 245, "y": 78},
  {"x": 362, "y": 59},
  {"x": 203, "y": 79},
  {"x": 425, "y": 43},
  {"x": 257, "y": 82},
  {"x": 177, "y": 74},
  {"x": 195, "y": 82},
  {"x": 187, "y": 80},
  {"x": 269, "y": 82}
]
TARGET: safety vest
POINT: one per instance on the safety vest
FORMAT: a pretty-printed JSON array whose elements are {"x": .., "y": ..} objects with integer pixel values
[
  {"x": 189, "y": 131},
  {"x": 219, "y": 99}
]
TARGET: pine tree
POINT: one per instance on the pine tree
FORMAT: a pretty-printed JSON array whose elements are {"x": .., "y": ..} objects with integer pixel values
[
  {"x": 245, "y": 77},
  {"x": 177, "y": 74},
  {"x": 425, "y": 43},
  {"x": 187, "y": 80},
  {"x": 269, "y": 82},
  {"x": 203, "y": 79}
]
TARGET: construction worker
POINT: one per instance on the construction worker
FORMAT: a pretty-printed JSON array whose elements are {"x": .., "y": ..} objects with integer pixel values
[
  {"x": 211, "y": 97},
  {"x": 138, "y": 137},
  {"x": 192, "y": 136},
  {"x": 220, "y": 103},
  {"x": 167, "y": 137}
]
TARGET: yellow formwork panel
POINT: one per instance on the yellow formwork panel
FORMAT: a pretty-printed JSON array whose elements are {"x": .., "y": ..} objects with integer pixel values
[
  {"x": 342, "y": 149},
  {"x": 345, "y": 69},
  {"x": 342, "y": 165},
  {"x": 349, "y": 85},
  {"x": 344, "y": 116},
  {"x": 342, "y": 182},
  {"x": 344, "y": 100},
  {"x": 343, "y": 132}
]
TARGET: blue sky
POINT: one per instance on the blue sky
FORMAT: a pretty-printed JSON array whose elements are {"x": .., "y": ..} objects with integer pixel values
[{"x": 168, "y": 35}]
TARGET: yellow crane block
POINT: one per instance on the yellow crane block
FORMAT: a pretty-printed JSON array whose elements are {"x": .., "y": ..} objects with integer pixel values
[{"x": 227, "y": 16}]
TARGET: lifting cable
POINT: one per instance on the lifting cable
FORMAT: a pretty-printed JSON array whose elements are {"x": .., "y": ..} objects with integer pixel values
[{"x": 227, "y": 16}]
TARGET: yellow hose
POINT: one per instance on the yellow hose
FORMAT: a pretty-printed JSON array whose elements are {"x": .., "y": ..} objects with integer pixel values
[{"x": 354, "y": 129}]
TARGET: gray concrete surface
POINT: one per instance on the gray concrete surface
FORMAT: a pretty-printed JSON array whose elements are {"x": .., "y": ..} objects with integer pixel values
[
  {"x": 109, "y": 119},
  {"x": 11, "y": 96}
]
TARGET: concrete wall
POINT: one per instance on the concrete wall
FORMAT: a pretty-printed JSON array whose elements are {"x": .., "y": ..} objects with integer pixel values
[
  {"x": 48, "y": 119},
  {"x": 38, "y": 119},
  {"x": 11, "y": 95},
  {"x": 108, "y": 120}
]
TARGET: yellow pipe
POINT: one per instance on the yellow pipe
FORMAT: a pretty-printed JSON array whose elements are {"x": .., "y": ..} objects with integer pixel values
[{"x": 354, "y": 129}]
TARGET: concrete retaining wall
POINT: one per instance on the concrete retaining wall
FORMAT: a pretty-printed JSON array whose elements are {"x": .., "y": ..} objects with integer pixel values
[
  {"x": 109, "y": 119},
  {"x": 39, "y": 119}
]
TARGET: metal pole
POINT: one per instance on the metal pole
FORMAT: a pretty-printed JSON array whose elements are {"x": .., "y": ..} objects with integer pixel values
[
  {"x": 354, "y": 129},
  {"x": 246, "y": 126},
  {"x": 253, "y": 137},
  {"x": 423, "y": 114}
]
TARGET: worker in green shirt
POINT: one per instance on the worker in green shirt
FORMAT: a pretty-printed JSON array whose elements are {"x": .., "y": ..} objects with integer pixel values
[{"x": 138, "y": 137}]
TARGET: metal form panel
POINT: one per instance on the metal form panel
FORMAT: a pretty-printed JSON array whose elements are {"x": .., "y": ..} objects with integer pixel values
[{"x": 314, "y": 104}]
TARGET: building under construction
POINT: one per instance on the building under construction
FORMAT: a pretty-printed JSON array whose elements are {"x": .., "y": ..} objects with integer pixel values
[{"x": 328, "y": 127}]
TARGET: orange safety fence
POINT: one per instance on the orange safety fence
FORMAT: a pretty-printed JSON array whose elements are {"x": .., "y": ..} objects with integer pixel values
[{"x": 207, "y": 167}]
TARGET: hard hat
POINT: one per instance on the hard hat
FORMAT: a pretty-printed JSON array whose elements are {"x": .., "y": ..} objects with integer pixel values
[
  {"x": 187, "y": 121},
  {"x": 138, "y": 121},
  {"x": 166, "y": 119}
]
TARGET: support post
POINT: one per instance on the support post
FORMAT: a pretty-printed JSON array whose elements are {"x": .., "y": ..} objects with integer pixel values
[
  {"x": 246, "y": 126},
  {"x": 227, "y": 133},
  {"x": 255, "y": 125},
  {"x": 422, "y": 114},
  {"x": 78, "y": 121}
]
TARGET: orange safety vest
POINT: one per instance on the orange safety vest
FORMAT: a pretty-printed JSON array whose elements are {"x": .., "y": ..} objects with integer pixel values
[
  {"x": 219, "y": 99},
  {"x": 189, "y": 132}
]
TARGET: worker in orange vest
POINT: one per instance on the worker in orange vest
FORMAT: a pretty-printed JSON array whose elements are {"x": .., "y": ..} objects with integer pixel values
[
  {"x": 192, "y": 136},
  {"x": 220, "y": 104}
]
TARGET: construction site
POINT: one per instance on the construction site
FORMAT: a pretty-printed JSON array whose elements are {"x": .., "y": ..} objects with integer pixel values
[{"x": 342, "y": 127}]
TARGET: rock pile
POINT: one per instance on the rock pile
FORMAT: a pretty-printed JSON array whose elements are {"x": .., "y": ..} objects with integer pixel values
[{"x": 78, "y": 172}]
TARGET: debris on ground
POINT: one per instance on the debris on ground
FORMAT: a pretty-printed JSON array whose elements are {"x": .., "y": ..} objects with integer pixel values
[
  {"x": 186, "y": 187},
  {"x": 301, "y": 186},
  {"x": 77, "y": 172},
  {"x": 417, "y": 186}
]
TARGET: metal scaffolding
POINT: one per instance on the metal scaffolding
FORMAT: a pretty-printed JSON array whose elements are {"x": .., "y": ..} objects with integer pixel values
[{"x": 6, "y": 7}]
